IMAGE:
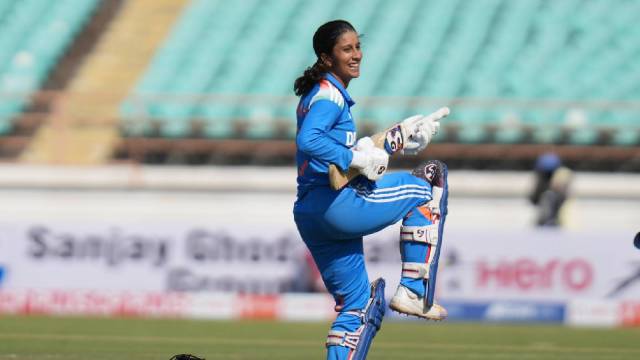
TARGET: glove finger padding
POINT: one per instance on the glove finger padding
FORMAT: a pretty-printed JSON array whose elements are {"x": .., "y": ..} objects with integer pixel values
[
  {"x": 441, "y": 113},
  {"x": 410, "y": 125},
  {"x": 425, "y": 130},
  {"x": 435, "y": 127},
  {"x": 364, "y": 143},
  {"x": 418, "y": 141},
  {"x": 412, "y": 148}
]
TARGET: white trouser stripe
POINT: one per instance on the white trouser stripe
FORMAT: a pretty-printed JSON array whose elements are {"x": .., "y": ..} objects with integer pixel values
[
  {"x": 408, "y": 186},
  {"x": 399, "y": 192},
  {"x": 394, "y": 198},
  {"x": 395, "y": 193}
]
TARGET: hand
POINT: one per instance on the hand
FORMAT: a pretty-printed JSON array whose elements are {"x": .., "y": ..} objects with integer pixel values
[
  {"x": 420, "y": 131},
  {"x": 369, "y": 160}
]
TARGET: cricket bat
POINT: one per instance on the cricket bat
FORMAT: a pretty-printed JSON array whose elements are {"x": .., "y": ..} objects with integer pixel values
[{"x": 392, "y": 140}]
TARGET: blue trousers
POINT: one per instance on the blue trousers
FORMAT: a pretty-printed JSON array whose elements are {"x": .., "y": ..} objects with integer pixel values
[{"x": 332, "y": 225}]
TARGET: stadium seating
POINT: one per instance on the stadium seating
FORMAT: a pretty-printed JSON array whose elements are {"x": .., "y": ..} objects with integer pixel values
[
  {"x": 101, "y": 82},
  {"x": 33, "y": 35},
  {"x": 521, "y": 71}
]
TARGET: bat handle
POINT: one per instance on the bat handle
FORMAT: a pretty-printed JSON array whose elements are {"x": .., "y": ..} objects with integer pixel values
[{"x": 338, "y": 179}]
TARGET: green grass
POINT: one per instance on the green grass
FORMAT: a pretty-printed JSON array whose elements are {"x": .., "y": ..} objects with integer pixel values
[{"x": 139, "y": 339}]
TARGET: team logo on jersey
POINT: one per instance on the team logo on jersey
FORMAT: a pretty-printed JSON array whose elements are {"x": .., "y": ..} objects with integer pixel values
[
  {"x": 351, "y": 138},
  {"x": 394, "y": 140}
]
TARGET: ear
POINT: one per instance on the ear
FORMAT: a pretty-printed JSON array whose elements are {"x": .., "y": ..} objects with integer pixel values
[{"x": 326, "y": 60}]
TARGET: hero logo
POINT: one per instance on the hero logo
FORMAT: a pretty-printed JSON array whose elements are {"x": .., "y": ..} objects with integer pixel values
[{"x": 527, "y": 274}]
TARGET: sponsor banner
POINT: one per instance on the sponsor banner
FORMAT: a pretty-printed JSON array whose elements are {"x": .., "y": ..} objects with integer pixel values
[
  {"x": 179, "y": 305},
  {"x": 630, "y": 313},
  {"x": 304, "y": 307},
  {"x": 290, "y": 307},
  {"x": 538, "y": 265},
  {"x": 297, "y": 307},
  {"x": 182, "y": 305},
  {"x": 170, "y": 257},
  {"x": 75, "y": 302},
  {"x": 594, "y": 312},
  {"x": 506, "y": 311},
  {"x": 153, "y": 257}
]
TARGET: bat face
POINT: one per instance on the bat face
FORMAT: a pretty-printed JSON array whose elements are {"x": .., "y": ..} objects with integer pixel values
[{"x": 394, "y": 141}]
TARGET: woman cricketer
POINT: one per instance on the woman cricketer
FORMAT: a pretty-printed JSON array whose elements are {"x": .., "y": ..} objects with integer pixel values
[{"x": 332, "y": 223}]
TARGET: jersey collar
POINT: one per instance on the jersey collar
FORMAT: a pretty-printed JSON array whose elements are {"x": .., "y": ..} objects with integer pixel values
[{"x": 343, "y": 91}]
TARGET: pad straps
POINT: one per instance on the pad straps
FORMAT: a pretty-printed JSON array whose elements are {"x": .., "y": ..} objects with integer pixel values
[
  {"x": 371, "y": 320},
  {"x": 344, "y": 338},
  {"x": 415, "y": 270},
  {"x": 425, "y": 234}
]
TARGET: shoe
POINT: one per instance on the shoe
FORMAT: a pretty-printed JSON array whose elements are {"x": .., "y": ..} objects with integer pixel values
[{"x": 408, "y": 303}]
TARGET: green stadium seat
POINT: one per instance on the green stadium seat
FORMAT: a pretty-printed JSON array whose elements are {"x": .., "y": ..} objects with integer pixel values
[
  {"x": 587, "y": 136},
  {"x": 33, "y": 36},
  {"x": 219, "y": 128},
  {"x": 547, "y": 125},
  {"x": 176, "y": 128},
  {"x": 626, "y": 129},
  {"x": 509, "y": 126},
  {"x": 484, "y": 49}
]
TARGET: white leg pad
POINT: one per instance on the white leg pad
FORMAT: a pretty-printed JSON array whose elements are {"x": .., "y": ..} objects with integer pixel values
[
  {"x": 344, "y": 338},
  {"x": 425, "y": 234},
  {"x": 415, "y": 270}
]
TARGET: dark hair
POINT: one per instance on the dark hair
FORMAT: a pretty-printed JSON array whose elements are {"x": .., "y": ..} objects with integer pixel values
[{"x": 324, "y": 40}]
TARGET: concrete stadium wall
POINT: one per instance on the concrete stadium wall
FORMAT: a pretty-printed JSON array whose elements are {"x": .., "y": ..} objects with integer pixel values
[{"x": 478, "y": 199}]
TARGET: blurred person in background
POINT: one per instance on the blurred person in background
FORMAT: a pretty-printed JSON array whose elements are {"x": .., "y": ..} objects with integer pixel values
[
  {"x": 552, "y": 184},
  {"x": 332, "y": 223}
]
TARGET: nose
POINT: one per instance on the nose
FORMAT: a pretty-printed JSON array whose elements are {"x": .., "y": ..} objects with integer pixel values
[{"x": 357, "y": 55}]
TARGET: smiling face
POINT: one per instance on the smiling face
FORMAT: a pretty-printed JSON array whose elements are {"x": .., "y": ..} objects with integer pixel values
[{"x": 345, "y": 59}]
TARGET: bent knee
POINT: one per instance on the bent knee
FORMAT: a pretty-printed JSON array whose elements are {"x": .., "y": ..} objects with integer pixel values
[{"x": 432, "y": 171}]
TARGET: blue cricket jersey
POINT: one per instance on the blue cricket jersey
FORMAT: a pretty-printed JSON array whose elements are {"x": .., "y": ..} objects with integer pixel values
[{"x": 325, "y": 133}]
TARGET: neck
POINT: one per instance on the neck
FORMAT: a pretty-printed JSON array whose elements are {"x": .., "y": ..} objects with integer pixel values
[{"x": 344, "y": 83}]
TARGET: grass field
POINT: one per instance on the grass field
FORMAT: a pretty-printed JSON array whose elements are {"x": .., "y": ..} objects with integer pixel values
[{"x": 139, "y": 339}]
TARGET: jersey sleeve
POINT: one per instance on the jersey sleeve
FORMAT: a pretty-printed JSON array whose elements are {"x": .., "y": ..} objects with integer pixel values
[
  {"x": 313, "y": 138},
  {"x": 328, "y": 92}
]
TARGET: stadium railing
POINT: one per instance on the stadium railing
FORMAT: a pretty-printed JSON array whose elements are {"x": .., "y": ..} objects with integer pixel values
[{"x": 239, "y": 141}]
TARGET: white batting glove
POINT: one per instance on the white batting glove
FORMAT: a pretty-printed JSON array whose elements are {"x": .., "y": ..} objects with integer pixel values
[
  {"x": 420, "y": 131},
  {"x": 369, "y": 160}
]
